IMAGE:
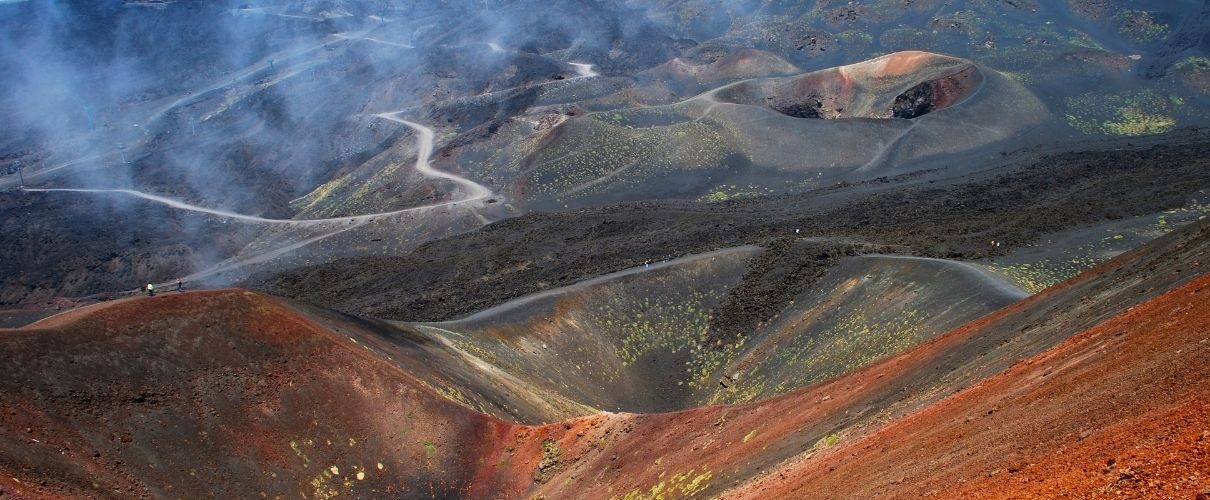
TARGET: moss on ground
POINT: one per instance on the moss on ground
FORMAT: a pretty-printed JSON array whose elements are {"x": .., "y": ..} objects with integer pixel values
[
  {"x": 551, "y": 455},
  {"x": 602, "y": 155},
  {"x": 854, "y": 340},
  {"x": 1140, "y": 27},
  {"x": 675, "y": 323},
  {"x": 1145, "y": 112},
  {"x": 689, "y": 484}
]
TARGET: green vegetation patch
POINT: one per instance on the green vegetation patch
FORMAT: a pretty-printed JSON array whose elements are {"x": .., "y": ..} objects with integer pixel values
[
  {"x": 1145, "y": 112},
  {"x": 1194, "y": 71},
  {"x": 603, "y": 154},
  {"x": 912, "y": 39},
  {"x": 827, "y": 441},
  {"x": 855, "y": 43},
  {"x": 673, "y": 322},
  {"x": 750, "y": 435},
  {"x": 853, "y": 341},
  {"x": 733, "y": 192},
  {"x": 1140, "y": 26},
  {"x": 688, "y": 484},
  {"x": 551, "y": 456},
  {"x": 1038, "y": 276},
  {"x": 1195, "y": 64}
]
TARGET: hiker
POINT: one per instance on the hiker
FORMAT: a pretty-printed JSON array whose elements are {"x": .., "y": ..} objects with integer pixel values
[
  {"x": 150, "y": 290},
  {"x": 180, "y": 287}
]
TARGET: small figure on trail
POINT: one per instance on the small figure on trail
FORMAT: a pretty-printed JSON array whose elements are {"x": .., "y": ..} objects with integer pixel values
[
  {"x": 150, "y": 290},
  {"x": 180, "y": 287}
]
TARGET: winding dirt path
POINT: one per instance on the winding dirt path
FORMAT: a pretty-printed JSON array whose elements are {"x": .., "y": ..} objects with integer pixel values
[
  {"x": 475, "y": 191},
  {"x": 376, "y": 40},
  {"x": 425, "y": 136},
  {"x": 993, "y": 280},
  {"x": 583, "y": 70},
  {"x": 884, "y": 150},
  {"x": 474, "y": 194},
  {"x": 163, "y": 200},
  {"x": 528, "y": 299},
  {"x": 236, "y": 262}
]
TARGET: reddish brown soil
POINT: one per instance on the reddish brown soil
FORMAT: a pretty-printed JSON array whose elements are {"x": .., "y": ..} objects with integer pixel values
[
  {"x": 737, "y": 442},
  {"x": 1161, "y": 454},
  {"x": 27, "y": 314},
  {"x": 234, "y": 394},
  {"x": 901, "y": 63},
  {"x": 1121, "y": 409},
  {"x": 223, "y": 393},
  {"x": 954, "y": 87}
]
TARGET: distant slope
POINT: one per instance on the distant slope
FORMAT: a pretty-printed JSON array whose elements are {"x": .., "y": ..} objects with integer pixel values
[
  {"x": 269, "y": 111},
  {"x": 773, "y": 135},
  {"x": 1022, "y": 201}
]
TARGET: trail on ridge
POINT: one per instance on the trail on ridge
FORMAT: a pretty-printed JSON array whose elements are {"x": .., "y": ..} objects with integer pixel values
[
  {"x": 475, "y": 193},
  {"x": 425, "y": 136}
]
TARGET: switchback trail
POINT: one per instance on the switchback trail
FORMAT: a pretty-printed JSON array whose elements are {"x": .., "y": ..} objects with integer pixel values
[
  {"x": 425, "y": 136},
  {"x": 475, "y": 193}
]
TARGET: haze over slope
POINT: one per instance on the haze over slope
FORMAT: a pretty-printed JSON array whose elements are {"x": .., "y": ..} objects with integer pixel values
[
  {"x": 604, "y": 248},
  {"x": 292, "y": 112}
]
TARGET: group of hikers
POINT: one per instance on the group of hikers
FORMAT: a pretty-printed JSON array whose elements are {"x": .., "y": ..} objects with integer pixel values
[{"x": 150, "y": 288}]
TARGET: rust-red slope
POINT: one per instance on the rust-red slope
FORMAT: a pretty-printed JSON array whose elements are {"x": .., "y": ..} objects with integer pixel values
[
  {"x": 1120, "y": 409},
  {"x": 223, "y": 393},
  {"x": 234, "y": 394},
  {"x": 706, "y": 450}
]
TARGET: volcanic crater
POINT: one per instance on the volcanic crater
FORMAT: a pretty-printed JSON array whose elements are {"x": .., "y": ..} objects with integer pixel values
[
  {"x": 614, "y": 249},
  {"x": 900, "y": 85}
]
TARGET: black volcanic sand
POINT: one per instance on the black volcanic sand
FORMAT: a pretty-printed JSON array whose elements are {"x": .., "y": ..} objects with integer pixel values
[
  {"x": 64, "y": 244},
  {"x": 1033, "y": 194},
  {"x": 229, "y": 154}
]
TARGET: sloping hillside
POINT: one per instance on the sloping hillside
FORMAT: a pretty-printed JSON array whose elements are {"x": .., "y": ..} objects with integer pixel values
[
  {"x": 224, "y": 393},
  {"x": 149, "y": 396}
]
